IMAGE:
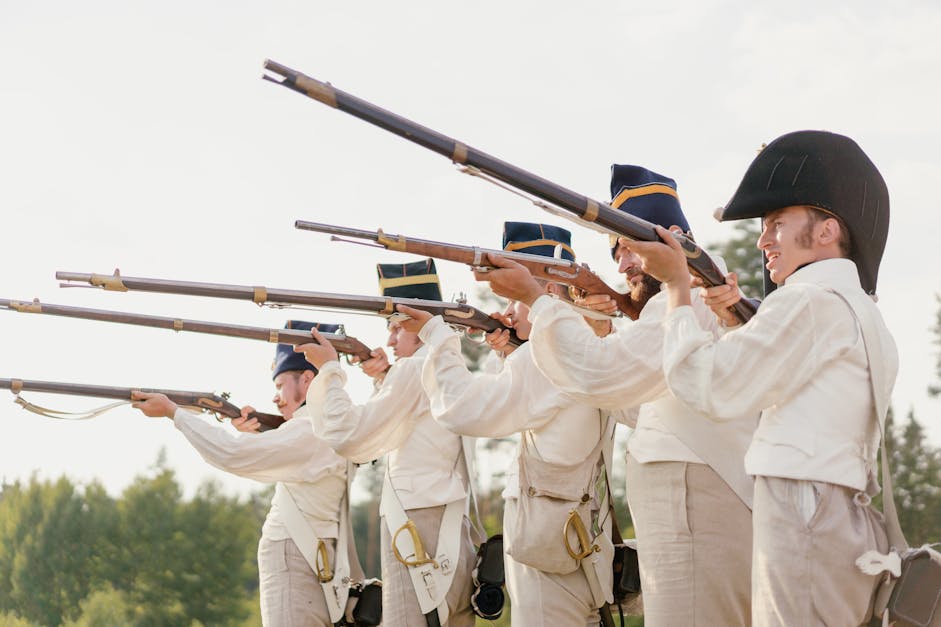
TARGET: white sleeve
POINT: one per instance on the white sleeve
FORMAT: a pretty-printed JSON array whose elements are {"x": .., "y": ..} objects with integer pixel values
[
  {"x": 364, "y": 432},
  {"x": 288, "y": 453},
  {"x": 620, "y": 370},
  {"x": 759, "y": 364},
  {"x": 491, "y": 404}
]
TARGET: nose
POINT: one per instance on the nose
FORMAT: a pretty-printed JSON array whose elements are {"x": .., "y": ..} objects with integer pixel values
[
  {"x": 764, "y": 240},
  {"x": 277, "y": 399},
  {"x": 627, "y": 261}
]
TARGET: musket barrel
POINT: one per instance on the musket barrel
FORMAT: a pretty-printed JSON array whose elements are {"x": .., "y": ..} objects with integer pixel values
[
  {"x": 587, "y": 209},
  {"x": 333, "y": 229},
  {"x": 453, "y": 313},
  {"x": 279, "y": 336}
]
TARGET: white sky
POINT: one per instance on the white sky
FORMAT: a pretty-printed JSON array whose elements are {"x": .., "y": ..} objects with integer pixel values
[{"x": 139, "y": 135}]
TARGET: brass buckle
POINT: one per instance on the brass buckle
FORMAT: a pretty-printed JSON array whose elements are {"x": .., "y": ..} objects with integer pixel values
[
  {"x": 324, "y": 573},
  {"x": 421, "y": 557},
  {"x": 574, "y": 521}
]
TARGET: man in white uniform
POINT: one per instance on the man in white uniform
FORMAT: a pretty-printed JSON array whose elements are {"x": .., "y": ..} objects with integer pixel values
[
  {"x": 308, "y": 477},
  {"x": 559, "y": 459},
  {"x": 802, "y": 361},
  {"x": 427, "y": 486},
  {"x": 686, "y": 485}
]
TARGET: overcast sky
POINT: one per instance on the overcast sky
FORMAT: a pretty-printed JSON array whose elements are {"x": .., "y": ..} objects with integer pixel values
[{"x": 140, "y": 136}]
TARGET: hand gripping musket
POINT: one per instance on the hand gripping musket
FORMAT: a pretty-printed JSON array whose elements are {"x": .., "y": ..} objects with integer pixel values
[
  {"x": 343, "y": 343},
  {"x": 592, "y": 213},
  {"x": 579, "y": 277},
  {"x": 203, "y": 401},
  {"x": 456, "y": 314}
]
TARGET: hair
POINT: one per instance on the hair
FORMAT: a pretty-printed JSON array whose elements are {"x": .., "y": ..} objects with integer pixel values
[{"x": 816, "y": 216}]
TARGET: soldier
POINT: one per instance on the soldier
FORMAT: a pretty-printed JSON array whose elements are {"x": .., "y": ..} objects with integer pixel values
[
  {"x": 298, "y": 550},
  {"x": 564, "y": 450},
  {"x": 686, "y": 486},
  {"x": 424, "y": 496},
  {"x": 802, "y": 361}
]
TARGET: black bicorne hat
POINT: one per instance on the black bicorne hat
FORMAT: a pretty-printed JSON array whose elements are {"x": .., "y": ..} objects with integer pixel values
[
  {"x": 409, "y": 280},
  {"x": 827, "y": 171},
  {"x": 644, "y": 194},
  {"x": 537, "y": 239},
  {"x": 284, "y": 356}
]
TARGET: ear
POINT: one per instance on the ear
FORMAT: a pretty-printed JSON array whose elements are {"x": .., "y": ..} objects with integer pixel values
[
  {"x": 308, "y": 376},
  {"x": 829, "y": 232}
]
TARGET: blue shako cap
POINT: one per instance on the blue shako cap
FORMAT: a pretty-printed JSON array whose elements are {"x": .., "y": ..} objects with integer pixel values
[
  {"x": 537, "y": 239},
  {"x": 284, "y": 356},
  {"x": 827, "y": 171},
  {"x": 644, "y": 194},
  {"x": 418, "y": 279}
]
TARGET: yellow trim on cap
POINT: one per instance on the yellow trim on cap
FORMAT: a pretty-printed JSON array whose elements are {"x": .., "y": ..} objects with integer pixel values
[
  {"x": 513, "y": 246},
  {"x": 385, "y": 284},
  {"x": 633, "y": 192}
]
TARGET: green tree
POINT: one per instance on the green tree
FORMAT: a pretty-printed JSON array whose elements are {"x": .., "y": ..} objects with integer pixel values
[
  {"x": 916, "y": 480},
  {"x": 48, "y": 536},
  {"x": 743, "y": 257}
]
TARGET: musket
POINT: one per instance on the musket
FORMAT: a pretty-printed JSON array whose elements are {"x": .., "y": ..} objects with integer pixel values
[
  {"x": 344, "y": 344},
  {"x": 579, "y": 277},
  {"x": 204, "y": 401},
  {"x": 596, "y": 214},
  {"x": 457, "y": 314}
]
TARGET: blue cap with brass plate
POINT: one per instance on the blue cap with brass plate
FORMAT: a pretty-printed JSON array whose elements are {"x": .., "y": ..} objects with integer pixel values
[
  {"x": 284, "y": 356},
  {"x": 537, "y": 239},
  {"x": 644, "y": 194},
  {"x": 418, "y": 279}
]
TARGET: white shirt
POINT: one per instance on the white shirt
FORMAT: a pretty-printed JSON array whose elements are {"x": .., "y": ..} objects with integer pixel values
[
  {"x": 423, "y": 463},
  {"x": 517, "y": 398},
  {"x": 624, "y": 370},
  {"x": 801, "y": 361},
  {"x": 290, "y": 455}
]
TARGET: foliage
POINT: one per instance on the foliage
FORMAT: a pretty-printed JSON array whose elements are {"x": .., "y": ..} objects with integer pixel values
[
  {"x": 743, "y": 257},
  {"x": 77, "y": 557},
  {"x": 916, "y": 480}
]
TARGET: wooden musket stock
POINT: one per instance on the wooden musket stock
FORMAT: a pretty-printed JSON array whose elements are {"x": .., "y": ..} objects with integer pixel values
[
  {"x": 456, "y": 314},
  {"x": 201, "y": 400},
  {"x": 575, "y": 275},
  {"x": 342, "y": 343},
  {"x": 596, "y": 212}
]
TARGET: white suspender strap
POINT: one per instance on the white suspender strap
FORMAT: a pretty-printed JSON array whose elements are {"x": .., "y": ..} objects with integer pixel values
[
  {"x": 335, "y": 581},
  {"x": 431, "y": 575}
]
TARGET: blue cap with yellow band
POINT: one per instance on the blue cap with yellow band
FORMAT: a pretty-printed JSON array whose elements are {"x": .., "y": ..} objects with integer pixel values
[
  {"x": 537, "y": 239},
  {"x": 284, "y": 356},
  {"x": 418, "y": 279},
  {"x": 644, "y": 194}
]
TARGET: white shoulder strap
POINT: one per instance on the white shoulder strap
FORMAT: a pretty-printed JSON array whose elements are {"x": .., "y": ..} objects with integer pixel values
[
  {"x": 874, "y": 352},
  {"x": 335, "y": 581}
]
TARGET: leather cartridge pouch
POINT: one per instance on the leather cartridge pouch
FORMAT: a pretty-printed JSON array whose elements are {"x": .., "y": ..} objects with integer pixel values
[
  {"x": 553, "y": 527},
  {"x": 368, "y": 609},
  {"x": 916, "y": 595}
]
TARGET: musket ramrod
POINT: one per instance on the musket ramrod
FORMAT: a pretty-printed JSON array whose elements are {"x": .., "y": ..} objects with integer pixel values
[{"x": 598, "y": 213}]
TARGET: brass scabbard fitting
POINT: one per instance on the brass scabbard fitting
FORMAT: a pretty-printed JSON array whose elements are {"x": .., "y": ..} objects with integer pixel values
[
  {"x": 586, "y": 548},
  {"x": 421, "y": 557},
  {"x": 324, "y": 572}
]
